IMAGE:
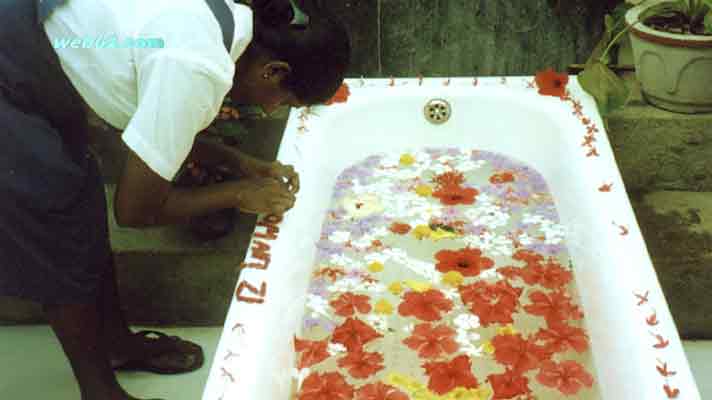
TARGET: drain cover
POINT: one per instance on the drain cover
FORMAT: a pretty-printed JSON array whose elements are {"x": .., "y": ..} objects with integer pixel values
[{"x": 437, "y": 111}]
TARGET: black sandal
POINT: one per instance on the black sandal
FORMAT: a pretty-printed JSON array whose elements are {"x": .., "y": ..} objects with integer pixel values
[{"x": 160, "y": 359}]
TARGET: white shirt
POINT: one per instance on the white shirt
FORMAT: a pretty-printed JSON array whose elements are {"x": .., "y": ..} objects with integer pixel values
[{"x": 160, "y": 97}]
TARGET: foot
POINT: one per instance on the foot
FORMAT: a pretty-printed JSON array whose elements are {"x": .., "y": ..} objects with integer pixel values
[{"x": 160, "y": 353}]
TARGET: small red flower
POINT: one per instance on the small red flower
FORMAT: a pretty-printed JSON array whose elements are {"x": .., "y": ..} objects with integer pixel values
[
  {"x": 569, "y": 377},
  {"x": 551, "y": 83},
  {"x": 446, "y": 376},
  {"x": 517, "y": 353},
  {"x": 427, "y": 306},
  {"x": 451, "y": 178},
  {"x": 380, "y": 391},
  {"x": 504, "y": 177},
  {"x": 312, "y": 352},
  {"x": 467, "y": 261},
  {"x": 555, "y": 308},
  {"x": 491, "y": 302},
  {"x": 452, "y": 195},
  {"x": 354, "y": 334},
  {"x": 431, "y": 342},
  {"x": 550, "y": 275},
  {"x": 509, "y": 385},
  {"x": 341, "y": 95},
  {"x": 400, "y": 228},
  {"x": 560, "y": 337},
  {"x": 528, "y": 256},
  {"x": 347, "y": 304},
  {"x": 329, "y": 385},
  {"x": 362, "y": 365}
]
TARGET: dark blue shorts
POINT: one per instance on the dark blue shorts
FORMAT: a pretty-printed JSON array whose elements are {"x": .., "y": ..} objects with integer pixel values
[{"x": 54, "y": 240}]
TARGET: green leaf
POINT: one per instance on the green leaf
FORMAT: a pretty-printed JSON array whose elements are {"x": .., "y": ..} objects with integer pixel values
[
  {"x": 605, "y": 86},
  {"x": 708, "y": 22}
]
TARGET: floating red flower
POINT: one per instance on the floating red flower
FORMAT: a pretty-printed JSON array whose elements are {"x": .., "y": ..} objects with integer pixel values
[
  {"x": 341, "y": 95},
  {"x": 569, "y": 377},
  {"x": 509, "y": 385},
  {"x": 446, "y": 376},
  {"x": 354, "y": 334},
  {"x": 467, "y": 261},
  {"x": 559, "y": 337},
  {"x": 361, "y": 365},
  {"x": 426, "y": 306},
  {"x": 551, "y": 83},
  {"x": 451, "y": 178},
  {"x": 555, "y": 308},
  {"x": 329, "y": 385},
  {"x": 400, "y": 228},
  {"x": 312, "y": 352},
  {"x": 431, "y": 342},
  {"x": 528, "y": 256},
  {"x": 491, "y": 302},
  {"x": 348, "y": 303},
  {"x": 517, "y": 353},
  {"x": 452, "y": 195},
  {"x": 504, "y": 177},
  {"x": 379, "y": 391},
  {"x": 550, "y": 275}
]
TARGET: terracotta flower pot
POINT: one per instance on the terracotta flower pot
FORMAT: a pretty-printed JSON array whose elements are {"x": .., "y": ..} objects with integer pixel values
[{"x": 674, "y": 70}]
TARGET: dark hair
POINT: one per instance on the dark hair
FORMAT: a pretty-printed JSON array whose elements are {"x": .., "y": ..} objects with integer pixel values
[{"x": 318, "y": 52}]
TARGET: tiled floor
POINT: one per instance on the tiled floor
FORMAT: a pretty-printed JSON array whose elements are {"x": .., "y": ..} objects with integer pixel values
[{"x": 33, "y": 367}]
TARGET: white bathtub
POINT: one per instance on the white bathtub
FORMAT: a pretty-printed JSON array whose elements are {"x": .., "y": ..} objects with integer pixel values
[{"x": 618, "y": 285}]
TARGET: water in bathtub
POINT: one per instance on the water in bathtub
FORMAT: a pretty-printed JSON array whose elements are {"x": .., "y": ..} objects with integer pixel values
[{"x": 442, "y": 274}]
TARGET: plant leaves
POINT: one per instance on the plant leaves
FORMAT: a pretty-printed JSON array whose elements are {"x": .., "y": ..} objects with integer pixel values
[
  {"x": 708, "y": 22},
  {"x": 609, "y": 90}
]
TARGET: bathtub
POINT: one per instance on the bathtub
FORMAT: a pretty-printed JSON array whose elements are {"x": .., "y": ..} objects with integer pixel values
[{"x": 634, "y": 341}]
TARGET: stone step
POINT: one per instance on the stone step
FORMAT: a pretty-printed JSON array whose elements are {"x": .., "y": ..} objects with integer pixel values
[{"x": 677, "y": 227}]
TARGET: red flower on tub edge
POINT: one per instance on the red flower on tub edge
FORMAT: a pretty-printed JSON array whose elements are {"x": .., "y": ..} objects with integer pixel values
[
  {"x": 551, "y": 83},
  {"x": 341, "y": 95}
]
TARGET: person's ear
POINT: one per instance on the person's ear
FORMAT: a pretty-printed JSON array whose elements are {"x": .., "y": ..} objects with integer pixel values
[{"x": 276, "y": 71}]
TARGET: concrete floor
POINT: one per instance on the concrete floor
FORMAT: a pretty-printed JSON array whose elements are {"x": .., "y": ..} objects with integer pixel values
[{"x": 33, "y": 367}]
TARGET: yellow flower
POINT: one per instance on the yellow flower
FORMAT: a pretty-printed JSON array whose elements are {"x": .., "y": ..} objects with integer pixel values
[
  {"x": 419, "y": 287},
  {"x": 375, "y": 266},
  {"x": 384, "y": 307},
  {"x": 453, "y": 278},
  {"x": 407, "y": 160},
  {"x": 441, "y": 233},
  {"x": 460, "y": 393},
  {"x": 507, "y": 330},
  {"x": 422, "y": 231},
  {"x": 424, "y": 190},
  {"x": 403, "y": 382},
  {"x": 488, "y": 347},
  {"x": 396, "y": 288}
]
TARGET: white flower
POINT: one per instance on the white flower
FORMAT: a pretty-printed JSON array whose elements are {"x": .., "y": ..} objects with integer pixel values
[
  {"x": 449, "y": 293},
  {"x": 335, "y": 348},
  {"x": 491, "y": 243},
  {"x": 469, "y": 165},
  {"x": 489, "y": 215},
  {"x": 472, "y": 351},
  {"x": 342, "y": 260},
  {"x": 525, "y": 239},
  {"x": 317, "y": 304},
  {"x": 371, "y": 287},
  {"x": 363, "y": 242},
  {"x": 408, "y": 328},
  {"x": 380, "y": 232},
  {"x": 441, "y": 168},
  {"x": 362, "y": 206},
  {"x": 467, "y": 321},
  {"x": 340, "y": 237}
]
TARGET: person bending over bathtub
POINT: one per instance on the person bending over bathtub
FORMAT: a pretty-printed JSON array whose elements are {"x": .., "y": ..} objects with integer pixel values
[{"x": 54, "y": 243}]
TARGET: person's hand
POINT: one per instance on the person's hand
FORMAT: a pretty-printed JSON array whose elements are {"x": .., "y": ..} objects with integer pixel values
[
  {"x": 262, "y": 196},
  {"x": 285, "y": 174}
]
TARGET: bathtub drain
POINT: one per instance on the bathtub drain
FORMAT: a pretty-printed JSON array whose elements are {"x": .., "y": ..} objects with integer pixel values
[{"x": 437, "y": 111}]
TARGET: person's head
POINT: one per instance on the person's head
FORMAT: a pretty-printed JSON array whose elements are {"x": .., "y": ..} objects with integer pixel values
[{"x": 292, "y": 64}]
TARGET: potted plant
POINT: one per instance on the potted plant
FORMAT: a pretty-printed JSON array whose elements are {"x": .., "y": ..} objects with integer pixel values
[{"x": 672, "y": 48}]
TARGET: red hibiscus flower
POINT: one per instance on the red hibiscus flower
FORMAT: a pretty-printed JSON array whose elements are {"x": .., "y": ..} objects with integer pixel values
[
  {"x": 519, "y": 354},
  {"x": 446, "y": 376},
  {"x": 354, "y": 334},
  {"x": 451, "y": 178},
  {"x": 341, "y": 95},
  {"x": 502, "y": 178},
  {"x": 330, "y": 386},
  {"x": 347, "y": 304},
  {"x": 555, "y": 308},
  {"x": 467, "y": 261},
  {"x": 400, "y": 228},
  {"x": 491, "y": 302},
  {"x": 550, "y": 275},
  {"x": 551, "y": 83},
  {"x": 509, "y": 385},
  {"x": 452, "y": 195},
  {"x": 528, "y": 256},
  {"x": 312, "y": 352},
  {"x": 568, "y": 376},
  {"x": 510, "y": 272},
  {"x": 431, "y": 342},
  {"x": 361, "y": 365},
  {"x": 560, "y": 337},
  {"x": 380, "y": 391},
  {"x": 427, "y": 306}
]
